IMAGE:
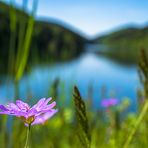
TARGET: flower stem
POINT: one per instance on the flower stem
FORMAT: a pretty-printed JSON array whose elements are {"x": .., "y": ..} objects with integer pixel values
[{"x": 27, "y": 136}]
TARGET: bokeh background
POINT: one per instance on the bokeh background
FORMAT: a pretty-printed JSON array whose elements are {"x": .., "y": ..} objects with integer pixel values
[{"x": 48, "y": 47}]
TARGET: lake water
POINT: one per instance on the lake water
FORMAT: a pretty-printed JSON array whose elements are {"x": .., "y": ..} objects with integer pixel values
[{"x": 101, "y": 76}]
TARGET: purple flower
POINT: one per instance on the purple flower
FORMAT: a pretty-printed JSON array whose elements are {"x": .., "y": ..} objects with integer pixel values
[
  {"x": 36, "y": 114},
  {"x": 109, "y": 102}
]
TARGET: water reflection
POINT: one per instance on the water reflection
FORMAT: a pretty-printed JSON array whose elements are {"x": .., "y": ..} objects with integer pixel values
[{"x": 104, "y": 77}]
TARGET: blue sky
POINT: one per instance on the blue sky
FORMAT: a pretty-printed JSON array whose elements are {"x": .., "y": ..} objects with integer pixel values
[{"x": 94, "y": 16}]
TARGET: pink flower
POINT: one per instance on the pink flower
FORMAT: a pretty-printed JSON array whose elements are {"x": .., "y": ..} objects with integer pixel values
[
  {"x": 36, "y": 114},
  {"x": 109, "y": 102}
]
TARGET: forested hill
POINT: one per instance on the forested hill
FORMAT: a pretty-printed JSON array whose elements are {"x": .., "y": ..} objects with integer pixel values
[
  {"x": 125, "y": 44},
  {"x": 50, "y": 41},
  {"x": 128, "y": 34}
]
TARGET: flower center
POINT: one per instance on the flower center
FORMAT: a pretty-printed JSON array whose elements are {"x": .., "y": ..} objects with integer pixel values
[{"x": 28, "y": 120}]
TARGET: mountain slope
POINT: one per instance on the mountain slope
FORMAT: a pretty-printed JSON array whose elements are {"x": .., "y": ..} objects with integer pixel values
[
  {"x": 126, "y": 43},
  {"x": 50, "y": 41}
]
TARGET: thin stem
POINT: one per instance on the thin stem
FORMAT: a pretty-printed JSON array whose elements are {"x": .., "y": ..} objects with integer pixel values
[
  {"x": 139, "y": 120},
  {"x": 27, "y": 137}
]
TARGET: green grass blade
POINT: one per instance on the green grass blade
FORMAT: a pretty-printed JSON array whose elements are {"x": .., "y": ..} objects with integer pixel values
[
  {"x": 27, "y": 42},
  {"x": 21, "y": 34},
  {"x": 12, "y": 44},
  {"x": 139, "y": 120}
]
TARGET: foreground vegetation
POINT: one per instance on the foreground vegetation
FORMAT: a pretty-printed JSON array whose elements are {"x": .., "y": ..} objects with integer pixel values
[{"x": 77, "y": 124}]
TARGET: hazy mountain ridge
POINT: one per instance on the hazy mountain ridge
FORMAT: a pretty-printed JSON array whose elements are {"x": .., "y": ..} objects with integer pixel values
[
  {"x": 127, "y": 33},
  {"x": 125, "y": 44}
]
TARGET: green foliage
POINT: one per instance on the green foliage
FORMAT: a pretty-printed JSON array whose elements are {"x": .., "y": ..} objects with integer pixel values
[
  {"x": 124, "y": 45},
  {"x": 69, "y": 128},
  {"x": 143, "y": 64},
  {"x": 27, "y": 42},
  {"x": 13, "y": 22},
  {"x": 35, "y": 41},
  {"x": 137, "y": 123},
  {"x": 82, "y": 121}
]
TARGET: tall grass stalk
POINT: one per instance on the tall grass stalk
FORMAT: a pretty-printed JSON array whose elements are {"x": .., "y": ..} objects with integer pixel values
[
  {"x": 27, "y": 42},
  {"x": 81, "y": 120},
  {"x": 139, "y": 120},
  {"x": 11, "y": 56},
  {"x": 21, "y": 33},
  {"x": 12, "y": 44}
]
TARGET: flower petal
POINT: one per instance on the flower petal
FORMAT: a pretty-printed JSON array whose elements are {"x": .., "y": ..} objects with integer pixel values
[
  {"x": 32, "y": 112},
  {"x": 3, "y": 108},
  {"x": 109, "y": 102},
  {"x": 22, "y": 105},
  {"x": 39, "y": 104},
  {"x": 39, "y": 113},
  {"x": 50, "y": 106},
  {"x": 43, "y": 117},
  {"x": 47, "y": 100},
  {"x": 12, "y": 106}
]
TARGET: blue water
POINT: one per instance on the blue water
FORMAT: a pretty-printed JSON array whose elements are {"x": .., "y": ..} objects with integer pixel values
[{"x": 88, "y": 71}]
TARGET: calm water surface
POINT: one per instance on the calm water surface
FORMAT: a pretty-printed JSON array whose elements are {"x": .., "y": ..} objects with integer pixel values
[{"x": 102, "y": 77}]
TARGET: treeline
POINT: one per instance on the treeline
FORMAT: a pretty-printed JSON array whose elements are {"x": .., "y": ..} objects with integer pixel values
[
  {"x": 124, "y": 45},
  {"x": 50, "y": 41}
]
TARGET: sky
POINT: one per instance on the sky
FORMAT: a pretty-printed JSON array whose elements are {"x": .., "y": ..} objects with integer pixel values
[{"x": 93, "y": 17}]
